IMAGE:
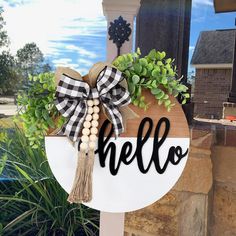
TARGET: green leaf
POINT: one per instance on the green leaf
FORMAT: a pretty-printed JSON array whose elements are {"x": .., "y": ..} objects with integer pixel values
[
  {"x": 163, "y": 55},
  {"x": 154, "y": 83},
  {"x": 138, "y": 51},
  {"x": 45, "y": 114},
  {"x": 143, "y": 61},
  {"x": 164, "y": 80},
  {"x": 156, "y": 91},
  {"x": 163, "y": 71},
  {"x": 50, "y": 122},
  {"x": 166, "y": 96},
  {"x": 170, "y": 90},
  {"x": 167, "y": 103},
  {"x": 159, "y": 63},
  {"x": 182, "y": 88},
  {"x": 144, "y": 72},
  {"x": 186, "y": 95},
  {"x": 152, "y": 54},
  {"x": 137, "y": 68},
  {"x": 135, "y": 79},
  {"x": 160, "y": 95},
  {"x": 139, "y": 91},
  {"x": 131, "y": 88},
  {"x": 142, "y": 81},
  {"x": 171, "y": 72},
  {"x": 136, "y": 102},
  {"x": 168, "y": 61},
  {"x": 3, "y": 162},
  {"x": 156, "y": 73},
  {"x": 127, "y": 73},
  {"x": 150, "y": 66},
  {"x": 142, "y": 105},
  {"x": 38, "y": 113}
]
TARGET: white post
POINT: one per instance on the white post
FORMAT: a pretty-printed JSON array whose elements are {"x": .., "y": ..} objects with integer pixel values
[
  {"x": 113, "y": 223},
  {"x": 112, "y": 9}
]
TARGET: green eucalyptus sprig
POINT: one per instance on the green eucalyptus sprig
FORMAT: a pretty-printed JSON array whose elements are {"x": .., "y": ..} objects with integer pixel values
[
  {"x": 37, "y": 110},
  {"x": 154, "y": 72}
]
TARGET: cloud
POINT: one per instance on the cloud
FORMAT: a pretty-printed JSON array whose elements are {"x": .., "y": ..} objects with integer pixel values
[
  {"x": 48, "y": 22},
  {"x": 62, "y": 61},
  {"x": 82, "y": 51},
  {"x": 197, "y": 3},
  {"x": 191, "y": 48},
  {"x": 66, "y": 62},
  {"x": 85, "y": 62}
]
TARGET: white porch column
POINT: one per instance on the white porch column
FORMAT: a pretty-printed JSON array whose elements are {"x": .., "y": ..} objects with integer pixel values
[
  {"x": 112, "y": 224},
  {"x": 112, "y": 9}
]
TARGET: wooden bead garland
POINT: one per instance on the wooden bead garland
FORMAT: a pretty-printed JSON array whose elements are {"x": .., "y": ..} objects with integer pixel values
[
  {"x": 82, "y": 187},
  {"x": 90, "y": 126},
  {"x": 88, "y": 117}
]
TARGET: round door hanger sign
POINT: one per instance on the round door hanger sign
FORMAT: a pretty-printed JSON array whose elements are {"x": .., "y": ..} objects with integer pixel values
[{"x": 137, "y": 168}]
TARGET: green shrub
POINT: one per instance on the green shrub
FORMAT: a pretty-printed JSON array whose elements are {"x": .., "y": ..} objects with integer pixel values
[{"x": 32, "y": 202}]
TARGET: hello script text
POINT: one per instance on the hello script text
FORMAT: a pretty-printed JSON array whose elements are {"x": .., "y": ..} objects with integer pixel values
[{"x": 107, "y": 149}]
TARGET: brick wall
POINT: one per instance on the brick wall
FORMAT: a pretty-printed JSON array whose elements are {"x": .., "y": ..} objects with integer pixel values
[{"x": 212, "y": 88}]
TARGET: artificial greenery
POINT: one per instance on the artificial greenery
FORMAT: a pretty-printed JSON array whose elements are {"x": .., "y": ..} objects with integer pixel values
[
  {"x": 154, "y": 72},
  {"x": 32, "y": 201},
  {"x": 37, "y": 110}
]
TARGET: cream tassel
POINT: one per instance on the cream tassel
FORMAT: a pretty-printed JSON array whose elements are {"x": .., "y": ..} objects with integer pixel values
[
  {"x": 77, "y": 191},
  {"x": 88, "y": 178},
  {"x": 83, "y": 181}
]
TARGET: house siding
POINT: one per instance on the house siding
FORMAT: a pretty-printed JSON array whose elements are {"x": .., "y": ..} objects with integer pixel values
[{"x": 212, "y": 88}]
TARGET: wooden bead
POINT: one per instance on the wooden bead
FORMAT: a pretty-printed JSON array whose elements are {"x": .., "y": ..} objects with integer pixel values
[
  {"x": 96, "y": 102},
  {"x": 85, "y": 139},
  {"x": 83, "y": 146},
  {"x": 85, "y": 131},
  {"x": 90, "y": 110},
  {"x": 87, "y": 124},
  {"x": 92, "y": 145},
  {"x": 93, "y": 137},
  {"x": 88, "y": 117},
  {"x": 94, "y": 130},
  {"x": 90, "y": 103},
  {"x": 96, "y": 109},
  {"x": 94, "y": 123},
  {"x": 95, "y": 116}
]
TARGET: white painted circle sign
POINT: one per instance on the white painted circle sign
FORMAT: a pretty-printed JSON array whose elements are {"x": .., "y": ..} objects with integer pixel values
[{"x": 149, "y": 167}]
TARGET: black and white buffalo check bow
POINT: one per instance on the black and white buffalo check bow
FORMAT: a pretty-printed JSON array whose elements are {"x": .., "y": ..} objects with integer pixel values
[{"x": 72, "y": 94}]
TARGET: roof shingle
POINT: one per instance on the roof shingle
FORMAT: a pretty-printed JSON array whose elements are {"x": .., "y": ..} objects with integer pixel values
[{"x": 214, "y": 47}]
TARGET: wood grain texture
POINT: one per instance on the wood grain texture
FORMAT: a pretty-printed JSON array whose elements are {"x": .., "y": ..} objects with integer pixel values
[{"x": 178, "y": 123}]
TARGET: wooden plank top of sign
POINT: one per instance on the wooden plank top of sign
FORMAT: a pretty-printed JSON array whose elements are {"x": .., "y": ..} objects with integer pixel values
[{"x": 178, "y": 123}]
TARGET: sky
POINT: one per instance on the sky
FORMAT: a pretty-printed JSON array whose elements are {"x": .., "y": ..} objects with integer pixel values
[{"x": 73, "y": 32}]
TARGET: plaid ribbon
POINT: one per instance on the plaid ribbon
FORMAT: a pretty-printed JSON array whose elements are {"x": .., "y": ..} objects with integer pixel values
[{"x": 71, "y": 96}]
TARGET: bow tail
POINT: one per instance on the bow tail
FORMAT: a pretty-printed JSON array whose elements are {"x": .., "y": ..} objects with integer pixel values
[
  {"x": 73, "y": 126},
  {"x": 116, "y": 119}
]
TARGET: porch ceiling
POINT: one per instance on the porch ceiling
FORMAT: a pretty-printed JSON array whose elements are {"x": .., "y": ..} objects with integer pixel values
[{"x": 224, "y": 5}]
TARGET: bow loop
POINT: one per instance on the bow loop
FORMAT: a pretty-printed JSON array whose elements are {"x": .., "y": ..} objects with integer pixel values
[
  {"x": 108, "y": 79},
  {"x": 71, "y": 96}
]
